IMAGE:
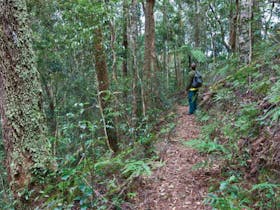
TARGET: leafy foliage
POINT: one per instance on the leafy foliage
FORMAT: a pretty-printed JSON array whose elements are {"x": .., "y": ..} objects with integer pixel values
[
  {"x": 229, "y": 196},
  {"x": 240, "y": 128},
  {"x": 244, "y": 107},
  {"x": 208, "y": 147}
]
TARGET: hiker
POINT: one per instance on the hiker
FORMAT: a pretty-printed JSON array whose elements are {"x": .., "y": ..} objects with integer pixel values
[{"x": 194, "y": 82}]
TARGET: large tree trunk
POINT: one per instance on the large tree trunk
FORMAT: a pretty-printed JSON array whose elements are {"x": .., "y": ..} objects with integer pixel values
[
  {"x": 27, "y": 152},
  {"x": 103, "y": 87},
  {"x": 245, "y": 31},
  {"x": 149, "y": 57}
]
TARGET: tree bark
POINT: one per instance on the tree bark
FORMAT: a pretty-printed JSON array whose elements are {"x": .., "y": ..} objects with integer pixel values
[
  {"x": 149, "y": 56},
  {"x": 125, "y": 38},
  {"x": 256, "y": 22},
  {"x": 51, "y": 116},
  {"x": 112, "y": 43},
  {"x": 234, "y": 13},
  {"x": 103, "y": 88},
  {"x": 245, "y": 38},
  {"x": 165, "y": 46},
  {"x": 27, "y": 152},
  {"x": 133, "y": 46}
]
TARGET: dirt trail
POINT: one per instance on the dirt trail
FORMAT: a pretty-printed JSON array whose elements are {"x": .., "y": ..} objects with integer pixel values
[{"x": 176, "y": 186}]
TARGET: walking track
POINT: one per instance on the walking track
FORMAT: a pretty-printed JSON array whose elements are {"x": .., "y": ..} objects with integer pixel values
[{"x": 176, "y": 185}]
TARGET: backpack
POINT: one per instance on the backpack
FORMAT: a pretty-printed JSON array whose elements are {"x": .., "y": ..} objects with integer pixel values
[{"x": 197, "y": 80}]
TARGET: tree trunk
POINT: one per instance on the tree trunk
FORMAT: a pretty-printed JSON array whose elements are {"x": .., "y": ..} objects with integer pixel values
[
  {"x": 245, "y": 38},
  {"x": 176, "y": 68},
  {"x": 149, "y": 57},
  {"x": 165, "y": 38},
  {"x": 51, "y": 116},
  {"x": 125, "y": 38},
  {"x": 112, "y": 43},
  {"x": 267, "y": 23},
  {"x": 133, "y": 46},
  {"x": 27, "y": 152},
  {"x": 234, "y": 13},
  {"x": 103, "y": 87},
  {"x": 256, "y": 23}
]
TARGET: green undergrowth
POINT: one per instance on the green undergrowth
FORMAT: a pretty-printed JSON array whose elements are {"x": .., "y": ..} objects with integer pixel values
[
  {"x": 101, "y": 180},
  {"x": 88, "y": 175},
  {"x": 240, "y": 127},
  {"x": 100, "y": 184}
]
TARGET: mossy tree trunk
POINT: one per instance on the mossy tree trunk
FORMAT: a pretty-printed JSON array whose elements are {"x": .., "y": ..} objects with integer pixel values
[{"x": 27, "y": 150}]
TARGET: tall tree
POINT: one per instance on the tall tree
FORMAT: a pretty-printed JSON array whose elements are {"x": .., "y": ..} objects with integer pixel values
[
  {"x": 234, "y": 13},
  {"x": 27, "y": 152},
  {"x": 125, "y": 38},
  {"x": 179, "y": 42},
  {"x": 245, "y": 31},
  {"x": 103, "y": 87},
  {"x": 150, "y": 54},
  {"x": 165, "y": 39},
  {"x": 256, "y": 22},
  {"x": 135, "y": 70}
]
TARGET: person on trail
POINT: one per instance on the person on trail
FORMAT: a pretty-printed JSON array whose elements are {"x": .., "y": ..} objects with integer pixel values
[{"x": 194, "y": 82}]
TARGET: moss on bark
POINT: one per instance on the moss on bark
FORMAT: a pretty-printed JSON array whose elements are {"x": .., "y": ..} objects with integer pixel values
[{"x": 27, "y": 149}]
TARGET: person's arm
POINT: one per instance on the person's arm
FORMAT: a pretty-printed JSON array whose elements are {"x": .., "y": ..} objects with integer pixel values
[{"x": 190, "y": 79}]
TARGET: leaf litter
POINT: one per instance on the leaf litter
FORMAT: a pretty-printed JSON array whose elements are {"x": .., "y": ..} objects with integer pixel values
[{"x": 178, "y": 184}]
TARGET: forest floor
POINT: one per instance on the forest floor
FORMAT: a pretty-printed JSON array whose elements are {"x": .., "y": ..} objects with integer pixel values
[{"x": 177, "y": 185}]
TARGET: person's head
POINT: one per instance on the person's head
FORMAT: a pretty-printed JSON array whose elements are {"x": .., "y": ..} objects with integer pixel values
[{"x": 193, "y": 66}]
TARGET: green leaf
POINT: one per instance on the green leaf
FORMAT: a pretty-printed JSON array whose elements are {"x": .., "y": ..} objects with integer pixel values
[{"x": 199, "y": 56}]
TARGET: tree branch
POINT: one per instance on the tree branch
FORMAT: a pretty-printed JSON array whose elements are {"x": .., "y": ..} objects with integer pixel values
[{"x": 221, "y": 26}]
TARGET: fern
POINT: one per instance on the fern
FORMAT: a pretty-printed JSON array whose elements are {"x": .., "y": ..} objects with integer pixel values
[
  {"x": 265, "y": 186},
  {"x": 199, "y": 56},
  {"x": 273, "y": 95},
  {"x": 136, "y": 168},
  {"x": 267, "y": 195},
  {"x": 224, "y": 95},
  {"x": 206, "y": 146}
]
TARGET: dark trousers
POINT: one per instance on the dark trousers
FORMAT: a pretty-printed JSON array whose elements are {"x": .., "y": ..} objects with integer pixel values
[{"x": 192, "y": 95}]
